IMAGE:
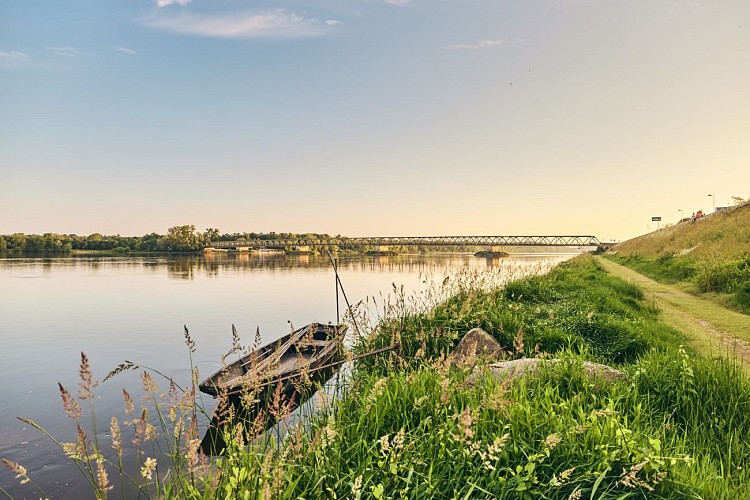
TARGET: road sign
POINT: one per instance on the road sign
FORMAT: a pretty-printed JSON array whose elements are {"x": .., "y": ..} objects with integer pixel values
[{"x": 655, "y": 219}]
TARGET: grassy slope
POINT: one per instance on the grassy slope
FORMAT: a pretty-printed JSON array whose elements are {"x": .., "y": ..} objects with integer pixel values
[
  {"x": 710, "y": 256},
  {"x": 723, "y": 236}
]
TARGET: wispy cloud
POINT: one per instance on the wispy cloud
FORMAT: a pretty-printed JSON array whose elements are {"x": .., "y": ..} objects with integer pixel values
[
  {"x": 14, "y": 55},
  {"x": 272, "y": 24},
  {"x": 400, "y": 3},
  {"x": 124, "y": 50},
  {"x": 70, "y": 52},
  {"x": 481, "y": 44},
  {"x": 332, "y": 22},
  {"x": 165, "y": 3}
]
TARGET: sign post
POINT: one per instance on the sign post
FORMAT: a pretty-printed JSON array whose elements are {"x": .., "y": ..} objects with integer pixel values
[{"x": 657, "y": 220}]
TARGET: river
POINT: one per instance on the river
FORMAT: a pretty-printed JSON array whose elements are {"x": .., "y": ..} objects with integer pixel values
[{"x": 134, "y": 308}]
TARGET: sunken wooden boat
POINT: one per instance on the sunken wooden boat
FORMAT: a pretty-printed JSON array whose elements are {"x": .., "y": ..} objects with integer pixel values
[{"x": 262, "y": 387}]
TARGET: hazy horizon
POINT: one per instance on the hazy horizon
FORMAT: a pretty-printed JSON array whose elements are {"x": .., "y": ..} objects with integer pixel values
[{"x": 371, "y": 117}]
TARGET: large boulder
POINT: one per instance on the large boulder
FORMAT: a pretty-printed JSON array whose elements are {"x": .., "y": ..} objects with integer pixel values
[
  {"x": 517, "y": 368},
  {"x": 476, "y": 344}
]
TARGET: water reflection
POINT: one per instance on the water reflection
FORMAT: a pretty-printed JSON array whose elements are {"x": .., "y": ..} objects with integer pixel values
[{"x": 213, "y": 265}]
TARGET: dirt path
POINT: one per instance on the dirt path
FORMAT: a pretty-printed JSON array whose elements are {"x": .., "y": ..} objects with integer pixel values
[{"x": 709, "y": 327}]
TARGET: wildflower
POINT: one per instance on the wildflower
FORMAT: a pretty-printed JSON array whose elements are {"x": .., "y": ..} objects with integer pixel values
[
  {"x": 377, "y": 388},
  {"x": 239, "y": 435},
  {"x": 72, "y": 408},
  {"x": 498, "y": 399},
  {"x": 236, "y": 346},
  {"x": 114, "y": 429},
  {"x": 129, "y": 405},
  {"x": 149, "y": 466},
  {"x": 101, "y": 475},
  {"x": 127, "y": 365},
  {"x": 143, "y": 429},
  {"x": 82, "y": 443},
  {"x": 576, "y": 495},
  {"x": 564, "y": 475},
  {"x": 20, "y": 470},
  {"x": 189, "y": 342},
  {"x": 72, "y": 451},
  {"x": 87, "y": 384},
  {"x": 464, "y": 423},
  {"x": 418, "y": 402},
  {"x": 330, "y": 429},
  {"x": 398, "y": 440},
  {"x": 149, "y": 385},
  {"x": 357, "y": 486},
  {"x": 445, "y": 394},
  {"x": 629, "y": 477},
  {"x": 384, "y": 444},
  {"x": 552, "y": 440},
  {"x": 497, "y": 445}
]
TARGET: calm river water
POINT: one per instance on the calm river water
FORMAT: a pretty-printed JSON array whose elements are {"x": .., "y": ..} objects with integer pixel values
[{"x": 134, "y": 308}]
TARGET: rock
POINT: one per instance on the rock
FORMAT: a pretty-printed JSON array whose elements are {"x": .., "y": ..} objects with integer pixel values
[
  {"x": 476, "y": 344},
  {"x": 517, "y": 368}
]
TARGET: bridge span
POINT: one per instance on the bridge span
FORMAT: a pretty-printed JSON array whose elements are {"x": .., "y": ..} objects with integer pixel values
[{"x": 396, "y": 241}]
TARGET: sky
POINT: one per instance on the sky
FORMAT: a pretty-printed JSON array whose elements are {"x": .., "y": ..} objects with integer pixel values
[{"x": 371, "y": 117}]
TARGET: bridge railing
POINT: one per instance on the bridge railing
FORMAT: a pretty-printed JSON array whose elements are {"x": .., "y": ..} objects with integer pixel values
[{"x": 568, "y": 241}]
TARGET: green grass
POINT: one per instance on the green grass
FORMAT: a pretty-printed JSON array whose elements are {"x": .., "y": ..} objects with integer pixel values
[{"x": 577, "y": 305}]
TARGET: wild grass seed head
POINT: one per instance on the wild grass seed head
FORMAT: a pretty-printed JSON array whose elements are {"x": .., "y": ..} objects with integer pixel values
[
  {"x": 18, "y": 469},
  {"x": 87, "y": 383},
  {"x": 72, "y": 408}
]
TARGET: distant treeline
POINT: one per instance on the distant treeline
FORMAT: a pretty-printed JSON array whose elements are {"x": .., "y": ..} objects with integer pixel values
[{"x": 177, "y": 239}]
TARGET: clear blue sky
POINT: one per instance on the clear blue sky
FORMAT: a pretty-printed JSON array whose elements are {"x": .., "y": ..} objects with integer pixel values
[{"x": 371, "y": 117}]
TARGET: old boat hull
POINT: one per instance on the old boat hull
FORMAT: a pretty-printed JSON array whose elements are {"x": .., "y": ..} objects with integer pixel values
[{"x": 264, "y": 387}]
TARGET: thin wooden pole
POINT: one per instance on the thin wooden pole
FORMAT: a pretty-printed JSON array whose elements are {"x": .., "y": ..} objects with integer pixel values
[
  {"x": 343, "y": 292},
  {"x": 336, "y": 282}
]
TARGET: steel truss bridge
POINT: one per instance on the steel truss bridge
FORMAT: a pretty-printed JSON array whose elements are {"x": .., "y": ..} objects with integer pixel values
[{"x": 394, "y": 241}]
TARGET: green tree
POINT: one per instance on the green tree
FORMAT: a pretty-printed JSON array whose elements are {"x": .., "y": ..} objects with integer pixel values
[
  {"x": 211, "y": 234},
  {"x": 181, "y": 239},
  {"x": 3, "y": 244}
]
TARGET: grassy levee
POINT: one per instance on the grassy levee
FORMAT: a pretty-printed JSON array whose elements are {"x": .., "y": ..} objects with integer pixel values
[
  {"x": 710, "y": 256},
  {"x": 408, "y": 425}
]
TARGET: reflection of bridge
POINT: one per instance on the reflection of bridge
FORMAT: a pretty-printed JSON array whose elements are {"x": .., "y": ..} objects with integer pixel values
[{"x": 393, "y": 241}]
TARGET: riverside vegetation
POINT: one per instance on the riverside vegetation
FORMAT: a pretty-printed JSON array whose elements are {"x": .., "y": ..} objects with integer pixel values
[{"x": 409, "y": 426}]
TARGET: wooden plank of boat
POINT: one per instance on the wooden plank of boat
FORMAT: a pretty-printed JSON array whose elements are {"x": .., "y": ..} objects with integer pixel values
[
  {"x": 282, "y": 374},
  {"x": 303, "y": 349}
]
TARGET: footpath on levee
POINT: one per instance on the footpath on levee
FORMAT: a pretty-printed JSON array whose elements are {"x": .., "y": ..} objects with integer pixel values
[{"x": 711, "y": 328}]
